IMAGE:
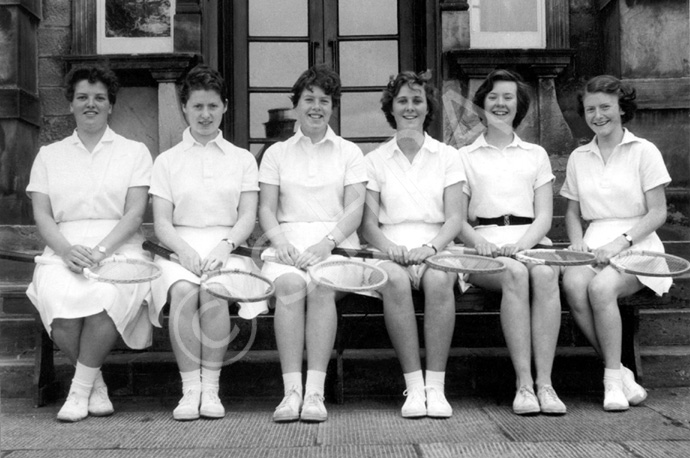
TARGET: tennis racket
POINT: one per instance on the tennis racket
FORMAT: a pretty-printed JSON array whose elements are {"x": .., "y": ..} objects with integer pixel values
[
  {"x": 545, "y": 256},
  {"x": 457, "y": 262},
  {"x": 235, "y": 285},
  {"x": 115, "y": 269},
  {"x": 650, "y": 264},
  {"x": 21, "y": 256}
]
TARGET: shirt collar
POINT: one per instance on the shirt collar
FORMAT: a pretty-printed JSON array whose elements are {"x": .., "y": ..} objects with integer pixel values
[
  {"x": 429, "y": 145},
  {"x": 593, "y": 147},
  {"x": 189, "y": 141},
  {"x": 108, "y": 136},
  {"x": 330, "y": 136},
  {"x": 480, "y": 142}
]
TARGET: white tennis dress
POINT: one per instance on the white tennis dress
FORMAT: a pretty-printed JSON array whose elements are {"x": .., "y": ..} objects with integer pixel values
[
  {"x": 87, "y": 194},
  {"x": 611, "y": 194},
  {"x": 312, "y": 180},
  {"x": 204, "y": 183}
]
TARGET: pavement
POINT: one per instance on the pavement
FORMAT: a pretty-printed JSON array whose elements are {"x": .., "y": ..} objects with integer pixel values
[{"x": 481, "y": 426}]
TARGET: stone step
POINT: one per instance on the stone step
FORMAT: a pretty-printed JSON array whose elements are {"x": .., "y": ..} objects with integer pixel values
[{"x": 366, "y": 372}]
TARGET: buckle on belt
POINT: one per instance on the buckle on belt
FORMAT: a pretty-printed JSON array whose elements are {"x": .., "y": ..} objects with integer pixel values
[{"x": 506, "y": 220}]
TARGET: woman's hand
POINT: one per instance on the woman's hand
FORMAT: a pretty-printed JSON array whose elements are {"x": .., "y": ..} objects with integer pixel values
[
  {"x": 190, "y": 260},
  {"x": 419, "y": 254},
  {"x": 315, "y": 253},
  {"x": 77, "y": 257},
  {"x": 606, "y": 252},
  {"x": 509, "y": 249},
  {"x": 580, "y": 246},
  {"x": 399, "y": 254},
  {"x": 487, "y": 249},
  {"x": 217, "y": 257},
  {"x": 287, "y": 254}
]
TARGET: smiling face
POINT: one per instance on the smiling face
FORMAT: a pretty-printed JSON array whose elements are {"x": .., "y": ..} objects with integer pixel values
[
  {"x": 602, "y": 113},
  {"x": 204, "y": 111},
  {"x": 90, "y": 106},
  {"x": 410, "y": 108},
  {"x": 313, "y": 110},
  {"x": 500, "y": 105}
]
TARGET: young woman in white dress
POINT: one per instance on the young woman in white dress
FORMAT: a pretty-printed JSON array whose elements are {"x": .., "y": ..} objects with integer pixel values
[
  {"x": 509, "y": 197},
  {"x": 616, "y": 182},
  {"x": 312, "y": 194},
  {"x": 205, "y": 194},
  {"x": 89, "y": 195},
  {"x": 412, "y": 212}
]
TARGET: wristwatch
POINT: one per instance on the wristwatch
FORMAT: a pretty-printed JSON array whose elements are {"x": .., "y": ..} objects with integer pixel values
[
  {"x": 332, "y": 239},
  {"x": 429, "y": 245},
  {"x": 101, "y": 249},
  {"x": 628, "y": 238},
  {"x": 229, "y": 242}
]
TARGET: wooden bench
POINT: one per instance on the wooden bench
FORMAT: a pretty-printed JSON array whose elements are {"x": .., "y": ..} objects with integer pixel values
[{"x": 360, "y": 323}]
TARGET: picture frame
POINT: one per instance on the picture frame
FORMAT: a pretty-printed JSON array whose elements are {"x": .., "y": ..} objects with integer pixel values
[{"x": 134, "y": 26}]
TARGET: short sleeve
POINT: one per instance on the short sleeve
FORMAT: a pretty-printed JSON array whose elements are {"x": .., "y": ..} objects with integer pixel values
[
  {"x": 569, "y": 189},
  {"x": 269, "y": 171},
  {"x": 141, "y": 174},
  {"x": 653, "y": 171},
  {"x": 250, "y": 177},
  {"x": 160, "y": 179},
  {"x": 544, "y": 173},
  {"x": 464, "y": 161},
  {"x": 38, "y": 180},
  {"x": 455, "y": 170},
  {"x": 355, "y": 171},
  {"x": 372, "y": 178}
]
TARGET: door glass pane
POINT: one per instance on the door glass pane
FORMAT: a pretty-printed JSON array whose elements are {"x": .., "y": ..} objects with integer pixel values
[
  {"x": 361, "y": 115},
  {"x": 368, "y": 63},
  {"x": 276, "y": 64},
  {"x": 283, "y": 18},
  {"x": 512, "y": 16},
  {"x": 366, "y": 17},
  {"x": 259, "y": 104}
]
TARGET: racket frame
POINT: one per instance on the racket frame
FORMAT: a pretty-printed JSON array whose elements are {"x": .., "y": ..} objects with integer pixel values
[
  {"x": 527, "y": 256},
  {"x": 433, "y": 263},
  {"x": 618, "y": 265},
  {"x": 88, "y": 273},
  {"x": 313, "y": 274}
]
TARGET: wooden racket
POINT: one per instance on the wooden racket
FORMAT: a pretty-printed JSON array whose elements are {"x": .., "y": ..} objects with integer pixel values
[
  {"x": 650, "y": 264},
  {"x": 21, "y": 256},
  {"x": 235, "y": 285},
  {"x": 115, "y": 269},
  {"x": 545, "y": 256}
]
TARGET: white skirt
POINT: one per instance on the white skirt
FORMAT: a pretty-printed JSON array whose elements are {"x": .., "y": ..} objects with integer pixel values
[
  {"x": 203, "y": 240},
  {"x": 601, "y": 232},
  {"x": 503, "y": 235},
  {"x": 57, "y": 292}
]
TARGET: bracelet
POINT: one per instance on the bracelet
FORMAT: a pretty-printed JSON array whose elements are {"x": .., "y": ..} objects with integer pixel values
[
  {"x": 229, "y": 242},
  {"x": 430, "y": 245},
  {"x": 628, "y": 238},
  {"x": 332, "y": 239}
]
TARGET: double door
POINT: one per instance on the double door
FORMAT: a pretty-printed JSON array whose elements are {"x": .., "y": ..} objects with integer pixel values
[{"x": 269, "y": 43}]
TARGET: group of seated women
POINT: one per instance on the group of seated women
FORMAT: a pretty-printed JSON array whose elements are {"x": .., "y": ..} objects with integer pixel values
[{"x": 410, "y": 198}]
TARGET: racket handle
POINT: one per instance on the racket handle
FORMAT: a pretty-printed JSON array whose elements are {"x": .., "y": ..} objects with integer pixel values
[{"x": 160, "y": 251}]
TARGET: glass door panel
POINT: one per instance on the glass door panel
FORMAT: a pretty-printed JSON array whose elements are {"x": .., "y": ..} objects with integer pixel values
[
  {"x": 366, "y": 17},
  {"x": 361, "y": 116},
  {"x": 287, "y": 18},
  {"x": 276, "y": 64},
  {"x": 368, "y": 63}
]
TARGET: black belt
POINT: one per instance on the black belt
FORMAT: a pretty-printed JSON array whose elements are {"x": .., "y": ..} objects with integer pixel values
[{"x": 505, "y": 220}]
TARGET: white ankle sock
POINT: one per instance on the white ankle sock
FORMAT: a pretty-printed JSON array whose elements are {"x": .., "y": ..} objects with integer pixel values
[
  {"x": 614, "y": 376},
  {"x": 99, "y": 382},
  {"x": 292, "y": 381},
  {"x": 315, "y": 381},
  {"x": 436, "y": 380},
  {"x": 84, "y": 376},
  {"x": 191, "y": 379},
  {"x": 414, "y": 379},
  {"x": 210, "y": 379}
]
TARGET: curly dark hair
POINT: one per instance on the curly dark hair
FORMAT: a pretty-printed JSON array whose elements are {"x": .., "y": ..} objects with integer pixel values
[
  {"x": 92, "y": 74},
  {"x": 203, "y": 78},
  {"x": 610, "y": 85},
  {"x": 409, "y": 78},
  {"x": 523, "y": 98},
  {"x": 320, "y": 76}
]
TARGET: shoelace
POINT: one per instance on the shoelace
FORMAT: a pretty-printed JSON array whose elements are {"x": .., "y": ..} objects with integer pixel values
[
  {"x": 212, "y": 396},
  {"x": 548, "y": 392},
  {"x": 525, "y": 391},
  {"x": 188, "y": 397},
  {"x": 415, "y": 392},
  {"x": 286, "y": 398},
  {"x": 313, "y": 399}
]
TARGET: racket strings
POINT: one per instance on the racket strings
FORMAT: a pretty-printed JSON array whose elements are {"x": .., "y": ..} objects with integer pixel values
[
  {"x": 657, "y": 264},
  {"x": 465, "y": 263},
  {"x": 348, "y": 275},
  {"x": 238, "y": 285},
  {"x": 133, "y": 271}
]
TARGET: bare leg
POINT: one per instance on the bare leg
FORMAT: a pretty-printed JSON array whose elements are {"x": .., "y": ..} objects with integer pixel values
[
  {"x": 439, "y": 317},
  {"x": 67, "y": 334},
  {"x": 98, "y": 336},
  {"x": 576, "y": 280},
  {"x": 215, "y": 330},
  {"x": 322, "y": 322},
  {"x": 398, "y": 313},
  {"x": 289, "y": 323},
  {"x": 184, "y": 326},
  {"x": 546, "y": 320}
]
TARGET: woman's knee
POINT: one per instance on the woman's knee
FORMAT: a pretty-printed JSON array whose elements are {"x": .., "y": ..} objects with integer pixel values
[
  {"x": 515, "y": 274},
  {"x": 601, "y": 293},
  {"x": 290, "y": 289}
]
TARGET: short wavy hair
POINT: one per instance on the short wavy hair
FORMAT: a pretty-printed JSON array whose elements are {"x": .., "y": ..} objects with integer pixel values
[
  {"x": 93, "y": 74},
  {"x": 410, "y": 78},
  {"x": 322, "y": 77},
  {"x": 610, "y": 85},
  {"x": 523, "y": 97},
  {"x": 203, "y": 78}
]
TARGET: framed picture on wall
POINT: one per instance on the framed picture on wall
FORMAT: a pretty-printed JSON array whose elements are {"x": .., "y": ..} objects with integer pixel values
[{"x": 135, "y": 26}]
